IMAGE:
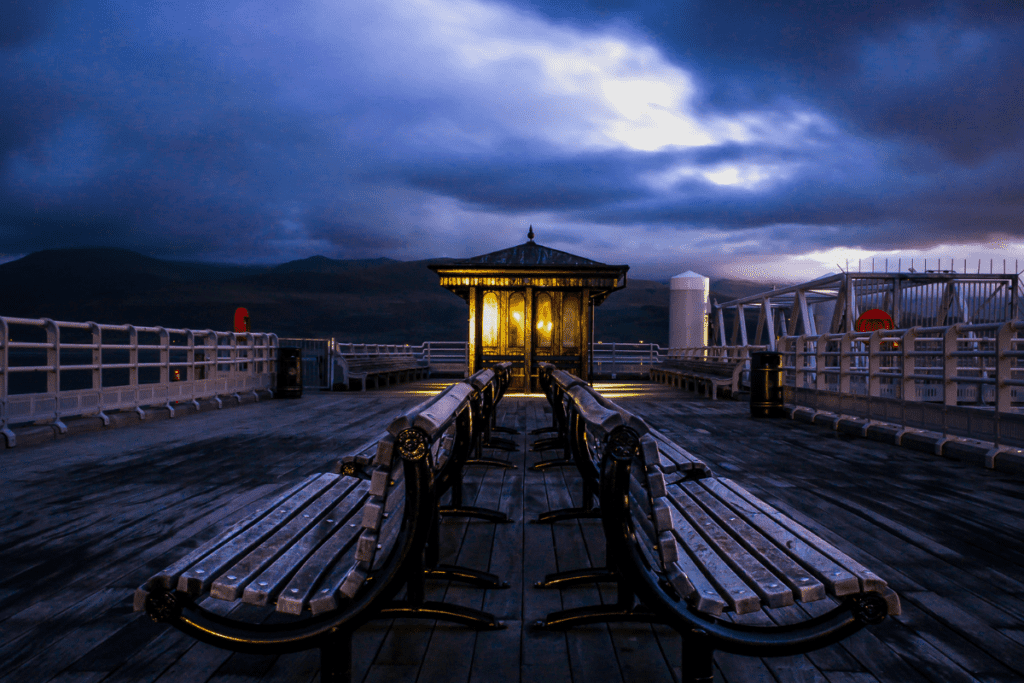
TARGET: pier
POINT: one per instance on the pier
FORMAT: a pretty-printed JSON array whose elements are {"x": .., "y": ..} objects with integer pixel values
[{"x": 88, "y": 517}]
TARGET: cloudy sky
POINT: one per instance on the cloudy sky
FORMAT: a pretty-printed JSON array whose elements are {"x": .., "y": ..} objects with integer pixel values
[{"x": 733, "y": 137}]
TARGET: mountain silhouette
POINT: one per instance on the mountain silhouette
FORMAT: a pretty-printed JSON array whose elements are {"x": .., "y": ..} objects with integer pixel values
[{"x": 365, "y": 300}]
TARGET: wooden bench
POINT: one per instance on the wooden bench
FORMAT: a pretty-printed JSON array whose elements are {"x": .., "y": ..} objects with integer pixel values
[
  {"x": 332, "y": 552},
  {"x": 705, "y": 376},
  {"x": 695, "y": 552},
  {"x": 397, "y": 367}
]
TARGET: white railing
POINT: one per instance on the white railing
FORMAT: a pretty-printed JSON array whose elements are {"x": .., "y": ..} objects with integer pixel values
[
  {"x": 962, "y": 380},
  {"x": 51, "y": 370},
  {"x": 621, "y": 358},
  {"x": 716, "y": 353},
  {"x": 610, "y": 358}
]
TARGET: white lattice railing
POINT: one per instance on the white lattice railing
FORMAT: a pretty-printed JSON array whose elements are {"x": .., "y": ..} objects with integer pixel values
[
  {"x": 964, "y": 380},
  {"x": 51, "y": 370}
]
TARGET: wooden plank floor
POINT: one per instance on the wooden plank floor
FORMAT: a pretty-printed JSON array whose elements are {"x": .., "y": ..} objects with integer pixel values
[{"x": 89, "y": 518}]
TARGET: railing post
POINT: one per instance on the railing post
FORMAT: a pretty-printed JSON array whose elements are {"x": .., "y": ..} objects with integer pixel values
[
  {"x": 97, "y": 360},
  {"x": 908, "y": 392},
  {"x": 949, "y": 365},
  {"x": 875, "y": 364},
  {"x": 190, "y": 358},
  {"x": 1004, "y": 368},
  {"x": 5, "y": 362},
  {"x": 800, "y": 363},
  {"x": 165, "y": 355},
  {"x": 133, "y": 359},
  {"x": 52, "y": 358},
  {"x": 845, "y": 354}
]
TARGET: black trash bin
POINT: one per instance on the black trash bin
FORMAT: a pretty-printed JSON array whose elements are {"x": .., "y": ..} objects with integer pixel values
[
  {"x": 766, "y": 384},
  {"x": 289, "y": 373}
]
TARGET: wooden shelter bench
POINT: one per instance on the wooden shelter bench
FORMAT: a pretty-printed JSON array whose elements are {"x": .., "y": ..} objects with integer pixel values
[
  {"x": 386, "y": 368},
  {"x": 705, "y": 376},
  {"x": 333, "y": 551},
  {"x": 694, "y": 551}
]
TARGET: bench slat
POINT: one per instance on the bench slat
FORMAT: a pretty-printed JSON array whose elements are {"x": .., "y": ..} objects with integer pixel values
[
  {"x": 342, "y": 581},
  {"x": 806, "y": 587},
  {"x": 168, "y": 578},
  {"x": 292, "y": 567},
  {"x": 841, "y": 573},
  {"x": 198, "y": 578},
  {"x": 732, "y": 589},
  {"x": 684, "y": 460},
  {"x": 376, "y": 510},
  {"x": 770, "y": 588},
  {"x": 231, "y": 582}
]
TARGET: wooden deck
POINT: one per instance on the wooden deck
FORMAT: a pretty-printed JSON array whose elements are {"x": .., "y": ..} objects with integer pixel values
[{"x": 89, "y": 518}]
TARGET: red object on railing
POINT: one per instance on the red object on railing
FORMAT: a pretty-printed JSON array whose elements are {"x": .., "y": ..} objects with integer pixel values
[
  {"x": 874, "y": 319},
  {"x": 241, "y": 320}
]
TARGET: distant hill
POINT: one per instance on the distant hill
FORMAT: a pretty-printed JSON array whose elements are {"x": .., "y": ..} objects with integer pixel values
[{"x": 368, "y": 300}]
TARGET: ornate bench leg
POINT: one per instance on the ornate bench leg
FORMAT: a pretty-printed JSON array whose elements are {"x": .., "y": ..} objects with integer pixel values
[
  {"x": 336, "y": 658},
  {"x": 698, "y": 658}
]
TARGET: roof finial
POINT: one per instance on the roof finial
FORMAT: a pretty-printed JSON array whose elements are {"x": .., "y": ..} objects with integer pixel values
[{"x": 529, "y": 235}]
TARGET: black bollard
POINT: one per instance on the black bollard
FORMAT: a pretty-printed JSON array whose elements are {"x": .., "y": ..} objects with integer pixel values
[
  {"x": 766, "y": 384},
  {"x": 289, "y": 373}
]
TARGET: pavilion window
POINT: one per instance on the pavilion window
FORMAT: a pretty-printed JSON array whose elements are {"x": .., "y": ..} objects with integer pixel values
[
  {"x": 570, "y": 322},
  {"x": 490, "y": 320},
  {"x": 517, "y": 320},
  {"x": 544, "y": 325}
]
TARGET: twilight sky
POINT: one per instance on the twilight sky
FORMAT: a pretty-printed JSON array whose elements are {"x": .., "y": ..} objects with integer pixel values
[{"x": 733, "y": 137}]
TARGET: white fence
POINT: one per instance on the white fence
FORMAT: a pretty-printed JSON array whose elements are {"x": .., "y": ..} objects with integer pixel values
[
  {"x": 961, "y": 380},
  {"x": 615, "y": 359},
  {"x": 50, "y": 370}
]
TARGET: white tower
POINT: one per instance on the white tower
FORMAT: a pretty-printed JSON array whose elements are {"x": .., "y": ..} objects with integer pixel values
[{"x": 688, "y": 310}]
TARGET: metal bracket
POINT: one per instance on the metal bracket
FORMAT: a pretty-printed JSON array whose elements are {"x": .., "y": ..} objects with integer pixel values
[
  {"x": 195, "y": 402},
  {"x": 170, "y": 408},
  {"x": 9, "y": 435},
  {"x": 237, "y": 398},
  {"x": 220, "y": 403},
  {"x": 141, "y": 412},
  {"x": 61, "y": 427}
]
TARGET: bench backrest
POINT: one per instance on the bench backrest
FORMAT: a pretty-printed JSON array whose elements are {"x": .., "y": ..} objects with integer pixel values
[{"x": 706, "y": 544}]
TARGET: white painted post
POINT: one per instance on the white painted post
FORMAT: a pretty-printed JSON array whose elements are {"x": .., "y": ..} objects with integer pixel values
[
  {"x": 1004, "y": 366},
  {"x": 875, "y": 364},
  {"x": 52, "y": 359},
  {"x": 908, "y": 391},
  {"x": 844, "y": 362},
  {"x": 949, "y": 361},
  {"x": 97, "y": 361},
  {"x": 165, "y": 355},
  {"x": 133, "y": 360}
]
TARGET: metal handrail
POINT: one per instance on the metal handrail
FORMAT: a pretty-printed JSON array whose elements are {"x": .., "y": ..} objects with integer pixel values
[{"x": 186, "y": 365}]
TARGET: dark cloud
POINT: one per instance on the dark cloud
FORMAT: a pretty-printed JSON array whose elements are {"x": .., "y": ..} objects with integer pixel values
[
  {"x": 260, "y": 132},
  {"x": 949, "y": 74}
]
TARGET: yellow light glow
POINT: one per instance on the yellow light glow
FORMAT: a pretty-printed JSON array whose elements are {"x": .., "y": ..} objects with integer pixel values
[{"x": 490, "y": 320}]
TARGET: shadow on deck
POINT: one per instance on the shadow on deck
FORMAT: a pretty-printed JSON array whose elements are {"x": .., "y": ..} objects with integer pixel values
[{"x": 88, "y": 519}]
